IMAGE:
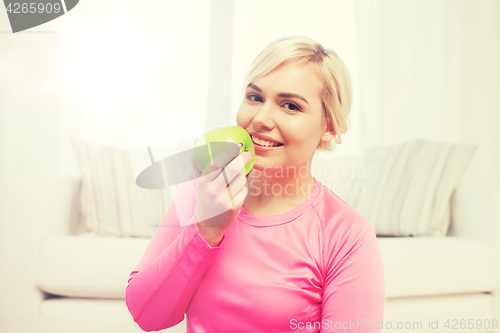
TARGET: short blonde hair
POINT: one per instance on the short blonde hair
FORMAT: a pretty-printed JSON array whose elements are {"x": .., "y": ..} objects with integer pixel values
[{"x": 337, "y": 88}]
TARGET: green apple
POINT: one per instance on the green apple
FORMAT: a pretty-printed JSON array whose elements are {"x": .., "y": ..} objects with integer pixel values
[{"x": 219, "y": 139}]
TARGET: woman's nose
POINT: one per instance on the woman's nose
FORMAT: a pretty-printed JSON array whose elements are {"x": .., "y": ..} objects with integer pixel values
[{"x": 263, "y": 118}]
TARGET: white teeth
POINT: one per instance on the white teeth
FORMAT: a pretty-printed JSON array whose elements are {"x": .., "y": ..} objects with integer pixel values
[{"x": 264, "y": 143}]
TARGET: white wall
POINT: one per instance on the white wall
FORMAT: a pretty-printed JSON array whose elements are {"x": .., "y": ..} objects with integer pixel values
[
  {"x": 437, "y": 75},
  {"x": 106, "y": 66},
  {"x": 97, "y": 72},
  {"x": 31, "y": 120}
]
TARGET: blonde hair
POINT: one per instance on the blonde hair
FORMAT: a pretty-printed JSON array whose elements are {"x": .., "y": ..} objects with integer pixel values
[{"x": 337, "y": 88}]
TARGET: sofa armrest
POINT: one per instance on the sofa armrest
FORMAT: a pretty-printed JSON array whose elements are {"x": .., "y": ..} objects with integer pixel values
[
  {"x": 475, "y": 214},
  {"x": 62, "y": 201},
  {"x": 52, "y": 200},
  {"x": 31, "y": 208}
]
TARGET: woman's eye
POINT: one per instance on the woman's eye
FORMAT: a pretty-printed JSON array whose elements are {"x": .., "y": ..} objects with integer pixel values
[
  {"x": 254, "y": 98},
  {"x": 292, "y": 106}
]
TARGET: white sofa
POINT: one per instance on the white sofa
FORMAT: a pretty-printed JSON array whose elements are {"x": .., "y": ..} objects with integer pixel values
[{"x": 54, "y": 281}]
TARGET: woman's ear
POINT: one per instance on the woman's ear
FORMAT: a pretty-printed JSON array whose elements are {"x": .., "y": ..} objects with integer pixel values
[{"x": 328, "y": 136}]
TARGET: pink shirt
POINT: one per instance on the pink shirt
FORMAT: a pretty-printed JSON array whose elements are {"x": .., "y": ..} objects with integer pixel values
[{"x": 316, "y": 268}]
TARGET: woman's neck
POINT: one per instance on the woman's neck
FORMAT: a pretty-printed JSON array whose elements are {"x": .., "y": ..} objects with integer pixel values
[{"x": 278, "y": 188}]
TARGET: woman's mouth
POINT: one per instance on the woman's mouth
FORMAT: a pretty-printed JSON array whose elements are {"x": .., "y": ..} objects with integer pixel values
[
  {"x": 263, "y": 143},
  {"x": 263, "y": 146}
]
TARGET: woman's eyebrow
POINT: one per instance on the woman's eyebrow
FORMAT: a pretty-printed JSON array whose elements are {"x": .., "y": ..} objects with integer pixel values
[
  {"x": 293, "y": 95},
  {"x": 253, "y": 86}
]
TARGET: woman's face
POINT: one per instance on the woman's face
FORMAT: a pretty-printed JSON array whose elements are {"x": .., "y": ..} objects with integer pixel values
[{"x": 286, "y": 106}]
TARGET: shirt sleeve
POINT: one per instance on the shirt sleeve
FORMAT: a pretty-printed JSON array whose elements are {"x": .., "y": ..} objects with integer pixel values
[
  {"x": 354, "y": 285},
  {"x": 165, "y": 279}
]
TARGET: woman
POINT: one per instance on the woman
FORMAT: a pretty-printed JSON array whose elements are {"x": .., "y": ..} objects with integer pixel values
[{"x": 288, "y": 255}]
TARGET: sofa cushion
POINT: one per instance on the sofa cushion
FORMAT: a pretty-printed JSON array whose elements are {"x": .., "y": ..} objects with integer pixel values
[
  {"x": 405, "y": 189},
  {"x": 99, "y": 267},
  {"x": 111, "y": 204}
]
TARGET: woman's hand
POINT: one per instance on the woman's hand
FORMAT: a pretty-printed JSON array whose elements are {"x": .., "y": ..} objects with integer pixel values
[{"x": 219, "y": 204}]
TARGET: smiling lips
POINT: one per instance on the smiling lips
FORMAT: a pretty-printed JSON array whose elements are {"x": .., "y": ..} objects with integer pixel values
[
  {"x": 264, "y": 140},
  {"x": 264, "y": 143}
]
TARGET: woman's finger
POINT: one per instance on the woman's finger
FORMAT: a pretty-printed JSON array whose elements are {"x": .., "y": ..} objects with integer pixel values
[
  {"x": 234, "y": 168},
  {"x": 237, "y": 184}
]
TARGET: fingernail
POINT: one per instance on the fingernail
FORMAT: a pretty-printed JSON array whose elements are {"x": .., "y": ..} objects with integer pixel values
[
  {"x": 251, "y": 152},
  {"x": 240, "y": 144}
]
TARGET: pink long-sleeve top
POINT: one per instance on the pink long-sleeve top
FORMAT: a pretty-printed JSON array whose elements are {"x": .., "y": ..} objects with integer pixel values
[{"x": 316, "y": 268}]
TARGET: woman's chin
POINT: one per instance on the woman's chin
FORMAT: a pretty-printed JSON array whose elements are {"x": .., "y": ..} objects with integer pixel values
[{"x": 269, "y": 169}]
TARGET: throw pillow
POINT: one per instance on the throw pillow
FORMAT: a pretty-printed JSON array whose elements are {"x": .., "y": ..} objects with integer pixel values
[
  {"x": 111, "y": 204},
  {"x": 405, "y": 189}
]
